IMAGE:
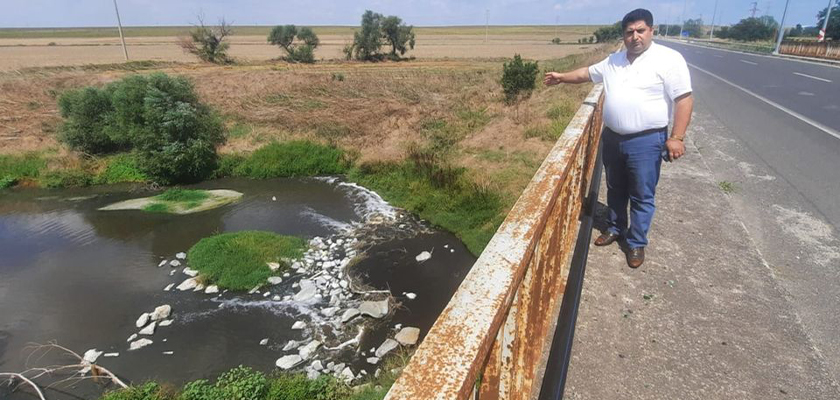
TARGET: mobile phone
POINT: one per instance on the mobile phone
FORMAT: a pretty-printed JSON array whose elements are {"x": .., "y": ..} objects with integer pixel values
[{"x": 666, "y": 155}]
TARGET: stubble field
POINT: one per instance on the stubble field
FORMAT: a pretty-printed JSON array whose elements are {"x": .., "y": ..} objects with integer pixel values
[{"x": 21, "y": 48}]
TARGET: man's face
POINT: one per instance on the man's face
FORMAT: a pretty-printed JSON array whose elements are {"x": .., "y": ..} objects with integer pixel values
[{"x": 637, "y": 37}]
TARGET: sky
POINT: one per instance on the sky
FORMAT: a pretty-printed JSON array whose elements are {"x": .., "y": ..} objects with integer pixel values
[{"x": 74, "y": 13}]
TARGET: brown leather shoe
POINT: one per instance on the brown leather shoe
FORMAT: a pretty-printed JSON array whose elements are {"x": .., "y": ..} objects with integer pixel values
[
  {"x": 606, "y": 239},
  {"x": 635, "y": 257}
]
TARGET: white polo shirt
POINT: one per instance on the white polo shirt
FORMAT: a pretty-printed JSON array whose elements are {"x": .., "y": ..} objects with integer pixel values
[{"x": 640, "y": 96}]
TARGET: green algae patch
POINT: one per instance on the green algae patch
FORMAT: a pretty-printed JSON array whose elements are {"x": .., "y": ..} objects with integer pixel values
[
  {"x": 179, "y": 201},
  {"x": 239, "y": 260}
]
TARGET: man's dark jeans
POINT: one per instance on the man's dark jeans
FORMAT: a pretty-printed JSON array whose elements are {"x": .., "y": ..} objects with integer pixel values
[{"x": 632, "y": 163}]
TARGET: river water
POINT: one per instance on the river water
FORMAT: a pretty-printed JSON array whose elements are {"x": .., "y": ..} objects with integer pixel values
[{"x": 81, "y": 277}]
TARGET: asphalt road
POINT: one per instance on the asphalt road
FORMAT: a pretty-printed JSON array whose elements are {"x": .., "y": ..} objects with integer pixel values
[{"x": 769, "y": 126}]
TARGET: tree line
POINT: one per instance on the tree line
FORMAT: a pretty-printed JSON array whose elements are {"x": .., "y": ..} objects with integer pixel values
[{"x": 209, "y": 43}]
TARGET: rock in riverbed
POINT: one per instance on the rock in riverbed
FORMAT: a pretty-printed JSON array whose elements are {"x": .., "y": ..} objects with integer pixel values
[{"x": 287, "y": 362}]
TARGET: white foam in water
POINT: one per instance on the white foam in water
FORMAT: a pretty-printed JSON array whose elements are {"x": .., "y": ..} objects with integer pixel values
[
  {"x": 368, "y": 202},
  {"x": 326, "y": 221},
  {"x": 289, "y": 309}
]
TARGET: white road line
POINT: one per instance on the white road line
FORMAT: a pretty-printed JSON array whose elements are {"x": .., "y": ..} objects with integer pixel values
[
  {"x": 718, "y": 56},
  {"x": 812, "y": 77},
  {"x": 748, "y": 62},
  {"x": 790, "y": 112}
]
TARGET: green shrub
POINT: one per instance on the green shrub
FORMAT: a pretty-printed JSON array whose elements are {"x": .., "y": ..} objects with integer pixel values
[
  {"x": 293, "y": 158},
  {"x": 65, "y": 178},
  {"x": 85, "y": 113},
  {"x": 199, "y": 390},
  {"x": 519, "y": 78},
  {"x": 17, "y": 167},
  {"x": 157, "y": 208},
  {"x": 146, "y": 391},
  {"x": 229, "y": 165},
  {"x": 238, "y": 260},
  {"x": 242, "y": 383},
  {"x": 298, "y": 387},
  {"x": 121, "y": 168},
  {"x": 158, "y": 116}
]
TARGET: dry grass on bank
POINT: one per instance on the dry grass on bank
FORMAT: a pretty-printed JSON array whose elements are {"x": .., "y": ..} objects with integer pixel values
[{"x": 377, "y": 110}]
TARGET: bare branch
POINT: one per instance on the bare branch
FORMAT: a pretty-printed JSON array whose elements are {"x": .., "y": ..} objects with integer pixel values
[{"x": 14, "y": 375}]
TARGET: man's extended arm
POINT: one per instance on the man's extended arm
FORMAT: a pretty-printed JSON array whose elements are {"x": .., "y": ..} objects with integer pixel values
[
  {"x": 683, "y": 106},
  {"x": 580, "y": 75}
]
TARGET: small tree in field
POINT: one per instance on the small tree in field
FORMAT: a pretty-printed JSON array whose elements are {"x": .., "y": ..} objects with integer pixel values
[
  {"x": 368, "y": 40},
  {"x": 399, "y": 35},
  {"x": 377, "y": 30},
  {"x": 519, "y": 78},
  {"x": 301, "y": 51},
  {"x": 208, "y": 42}
]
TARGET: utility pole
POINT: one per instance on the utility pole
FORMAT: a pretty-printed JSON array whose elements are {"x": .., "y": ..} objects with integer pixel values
[
  {"x": 781, "y": 29},
  {"x": 714, "y": 14},
  {"x": 682, "y": 27},
  {"x": 486, "y": 24},
  {"x": 821, "y": 36},
  {"x": 119, "y": 27},
  {"x": 754, "y": 9}
]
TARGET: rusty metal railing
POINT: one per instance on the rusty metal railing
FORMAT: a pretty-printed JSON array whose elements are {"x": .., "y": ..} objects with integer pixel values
[{"x": 493, "y": 338}]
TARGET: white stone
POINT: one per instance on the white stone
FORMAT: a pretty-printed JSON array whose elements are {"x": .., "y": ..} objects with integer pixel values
[
  {"x": 299, "y": 325},
  {"x": 347, "y": 375},
  {"x": 307, "y": 351},
  {"x": 266, "y": 294},
  {"x": 143, "y": 320},
  {"x": 398, "y": 326},
  {"x": 286, "y": 275},
  {"x": 273, "y": 266},
  {"x": 139, "y": 344},
  {"x": 264, "y": 342},
  {"x": 276, "y": 297},
  {"x": 338, "y": 367},
  {"x": 344, "y": 284},
  {"x": 330, "y": 365},
  {"x": 255, "y": 289},
  {"x": 181, "y": 256},
  {"x": 165, "y": 322},
  {"x": 287, "y": 362},
  {"x": 349, "y": 314},
  {"x": 329, "y": 311},
  {"x": 312, "y": 374},
  {"x": 451, "y": 250},
  {"x": 149, "y": 329},
  {"x": 212, "y": 289},
  {"x": 411, "y": 296},
  {"x": 275, "y": 280},
  {"x": 132, "y": 337},
  {"x": 386, "y": 347},
  {"x": 173, "y": 272},
  {"x": 373, "y": 360},
  {"x": 375, "y": 309},
  {"x": 162, "y": 263},
  {"x": 307, "y": 291},
  {"x": 423, "y": 256},
  {"x": 168, "y": 353},
  {"x": 91, "y": 356},
  {"x": 188, "y": 284},
  {"x": 446, "y": 246},
  {"x": 408, "y": 336},
  {"x": 291, "y": 345},
  {"x": 189, "y": 271},
  {"x": 168, "y": 287},
  {"x": 161, "y": 312},
  {"x": 199, "y": 287},
  {"x": 273, "y": 198},
  {"x": 111, "y": 355},
  {"x": 175, "y": 263},
  {"x": 316, "y": 365}
]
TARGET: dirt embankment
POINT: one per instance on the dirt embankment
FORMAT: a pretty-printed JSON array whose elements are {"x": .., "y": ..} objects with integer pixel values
[{"x": 376, "y": 109}]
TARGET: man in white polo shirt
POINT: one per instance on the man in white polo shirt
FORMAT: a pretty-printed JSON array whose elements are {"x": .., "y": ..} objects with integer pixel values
[{"x": 644, "y": 84}]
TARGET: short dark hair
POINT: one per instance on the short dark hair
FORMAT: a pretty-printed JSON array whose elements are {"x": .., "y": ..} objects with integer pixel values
[{"x": 639, "y": 14}]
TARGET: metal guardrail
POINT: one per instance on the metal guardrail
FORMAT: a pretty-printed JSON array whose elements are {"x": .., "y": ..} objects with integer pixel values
[{"x": 493, "y": 338}]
